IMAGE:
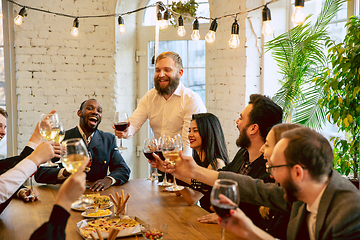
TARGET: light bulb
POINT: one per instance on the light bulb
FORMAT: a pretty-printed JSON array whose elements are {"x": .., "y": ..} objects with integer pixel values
[
  {"x": 181, "y": 31},
  {"x": 1, "y": 14},
  {"x": 267, "y": 28},
  {"x": 195, "y": 35},
  {"x": 122, "y": 28},
  {"x": 163, "y": 24},
  {"x": 234, "y": 41},
  {"x": 18, "y": 20},
  {"x": 298, "y": 17},
  {"x": 210, "y": 37},
  {"x": 75, "y": 29}
]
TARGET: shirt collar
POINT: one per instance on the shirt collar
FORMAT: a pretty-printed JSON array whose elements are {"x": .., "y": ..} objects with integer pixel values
[
  {"x": 315, "y": 206},
  {"x": 87, "y": 140},
  {"x": 180, "y": 88}
]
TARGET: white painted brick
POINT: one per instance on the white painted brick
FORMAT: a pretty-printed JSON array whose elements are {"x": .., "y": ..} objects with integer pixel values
[{"x": 37, "y": 42}]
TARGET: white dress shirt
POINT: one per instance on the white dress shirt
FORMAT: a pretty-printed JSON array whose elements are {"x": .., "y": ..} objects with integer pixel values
[
  {"x": 167, "y": 117},
  {"x": 11, "y": 180}
]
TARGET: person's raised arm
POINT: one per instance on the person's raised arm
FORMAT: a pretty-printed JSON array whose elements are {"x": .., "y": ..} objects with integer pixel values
[{"x": 188, "y": 168}]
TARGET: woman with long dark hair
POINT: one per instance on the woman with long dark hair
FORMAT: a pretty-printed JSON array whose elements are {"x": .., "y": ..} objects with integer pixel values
[{"x": 209, "y": 150}]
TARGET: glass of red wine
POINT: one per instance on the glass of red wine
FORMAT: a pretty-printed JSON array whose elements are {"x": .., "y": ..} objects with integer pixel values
[
  {"x": 121, "y": 123},
  {"x": 150, "y": 146},
  {"x": 229, "y": 189},
  {"x": 164, "y": 183}
]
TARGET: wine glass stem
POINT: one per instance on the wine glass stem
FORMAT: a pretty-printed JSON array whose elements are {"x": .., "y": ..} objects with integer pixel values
[
  {"x": 31, "y": 186},
  {"x": 222, "y": 234},
  {"x": 165, "y": 178},
  {"x": 174, "y": 182}
]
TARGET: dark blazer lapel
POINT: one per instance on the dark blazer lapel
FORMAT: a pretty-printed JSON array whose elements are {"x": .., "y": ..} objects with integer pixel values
[
  {"x": 95, "y": 140},
  {"x": 296, "y": 222},
  {"x": 324, "y": 203}
]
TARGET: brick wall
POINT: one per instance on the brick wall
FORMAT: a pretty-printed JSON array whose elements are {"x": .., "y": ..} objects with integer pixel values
[{"x": 57, "y": 70}]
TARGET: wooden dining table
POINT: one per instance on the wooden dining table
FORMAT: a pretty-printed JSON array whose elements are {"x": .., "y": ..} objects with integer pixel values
[{"x": 147, "y": 201}]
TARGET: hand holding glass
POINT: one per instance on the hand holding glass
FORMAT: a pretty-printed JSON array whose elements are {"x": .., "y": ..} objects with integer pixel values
[
  {"x": 171, "y": 147},
  {"x": 228, "y": 188},
  {"x": 150, "y": 146},
  {"x": 121, "y": 123},
  {"x": 49, "y": 129}
]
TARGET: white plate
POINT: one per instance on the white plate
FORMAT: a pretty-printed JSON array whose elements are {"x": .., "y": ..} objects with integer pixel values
[
  {"x": 85, "y": 215},
  {"x": 78, "y": 206}
]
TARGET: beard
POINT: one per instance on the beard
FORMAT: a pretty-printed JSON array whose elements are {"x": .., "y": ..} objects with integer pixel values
[
  {"x": 290, "y": 190},
  {"x": 243, "y": 140},
  {"x": 170, "y": 88}
]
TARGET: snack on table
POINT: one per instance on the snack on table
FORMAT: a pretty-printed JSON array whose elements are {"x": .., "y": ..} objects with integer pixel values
[
  {"x": 104, "y": 225},
  {"x": 100, "y": 201},
  {"x": 120, "y": 202},
  {"x": 99, "y": 212}
]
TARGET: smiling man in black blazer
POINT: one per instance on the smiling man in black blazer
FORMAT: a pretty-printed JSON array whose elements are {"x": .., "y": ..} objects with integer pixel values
[{"x": 101, "y": 145}]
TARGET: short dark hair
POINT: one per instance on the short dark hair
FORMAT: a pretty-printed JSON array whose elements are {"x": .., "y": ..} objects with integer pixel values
[
  {"x": 310, "y": 150},
  {"x": 176, "y": 57},
  {"x": 82, "y": 104},
  {"x": 265, "y": 113},
  {"x": 212, "y": 138},
  {"x": 3, "y": 112}
]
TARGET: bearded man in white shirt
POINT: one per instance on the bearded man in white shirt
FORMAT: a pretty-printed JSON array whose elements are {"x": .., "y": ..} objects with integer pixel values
[{"x": 169, "y": 106}]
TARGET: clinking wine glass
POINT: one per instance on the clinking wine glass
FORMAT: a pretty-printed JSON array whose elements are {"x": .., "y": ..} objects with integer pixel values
[
  {"x": 49, "y": 129},
  {"x": 228, "y": 188},
  {"x": 121, "y": 123},
  {"x": 171, "y": 147},
  {"x": 73, "y": 154},
  {"x": 164, "y": 183},
  {"x": 149, "y": 147}
]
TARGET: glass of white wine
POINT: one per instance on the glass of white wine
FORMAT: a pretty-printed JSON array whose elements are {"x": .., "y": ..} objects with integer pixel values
[
  {"x": 73, "y": 153},
  {"x": 171, "y": 147},
  {"x": 60, "y": 136},
  {"x": 49, "y": 129}
]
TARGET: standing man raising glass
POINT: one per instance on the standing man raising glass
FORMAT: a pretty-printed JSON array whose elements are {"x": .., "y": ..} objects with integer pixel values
[{"x": 169, "y": 106}]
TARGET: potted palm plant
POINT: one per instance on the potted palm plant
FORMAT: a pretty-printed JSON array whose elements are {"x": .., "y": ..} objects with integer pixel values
[
  {"x": 300, "y": 56},
  {"x": 341, "y": 86}
]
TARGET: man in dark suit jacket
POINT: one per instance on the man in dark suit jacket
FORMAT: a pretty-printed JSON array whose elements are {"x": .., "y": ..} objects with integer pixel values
[{"x": 100, "y": 144}]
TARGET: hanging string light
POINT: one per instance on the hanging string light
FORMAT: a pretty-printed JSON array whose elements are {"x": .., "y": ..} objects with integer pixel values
[
  {"x": 234, "y": 41},
  {"x": 122, "y": 28},
  {"x": 196, "y": 33},
  {"x": 165, "y": 22},
  {"x": 75, "y": 29},
  {"x": 181, "y": 29},
  {"x": 19, "y": 18},
  {"x": 162, "y": 22},
  {"x": 298, "y": 17},
  {"x": 267, "y": 28},
  {"x": 210, "y": 36}
]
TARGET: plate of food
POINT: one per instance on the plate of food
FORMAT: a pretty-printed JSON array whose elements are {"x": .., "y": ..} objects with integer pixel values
[
  {"x": 127, "y": 226},
  {"x": 98, "y": 213},
  {"x": 102, "y": 202}
]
